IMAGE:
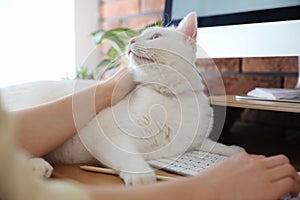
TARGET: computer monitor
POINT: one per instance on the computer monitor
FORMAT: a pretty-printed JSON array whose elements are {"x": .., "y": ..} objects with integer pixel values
[{"x": 235, "y": 28}]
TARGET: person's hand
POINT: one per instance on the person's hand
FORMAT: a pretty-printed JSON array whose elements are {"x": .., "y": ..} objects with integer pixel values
[
  {"x": 245, "y": 176},
  {"x": 122, "y": 82}
]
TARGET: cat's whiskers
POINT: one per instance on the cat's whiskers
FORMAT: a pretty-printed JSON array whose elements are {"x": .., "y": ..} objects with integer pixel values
[
  {"x": 146, "y": 54},
  {"x": 149, "y": 55}
]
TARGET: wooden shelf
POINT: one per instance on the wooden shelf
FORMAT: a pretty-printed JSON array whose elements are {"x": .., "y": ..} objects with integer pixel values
[{"x": 231, "y": 101}]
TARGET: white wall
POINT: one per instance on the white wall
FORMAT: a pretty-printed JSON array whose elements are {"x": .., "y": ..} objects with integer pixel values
[{"x": 86, "y": 16}]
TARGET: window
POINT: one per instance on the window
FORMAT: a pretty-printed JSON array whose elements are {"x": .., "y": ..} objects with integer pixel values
[{"x": 37, "y": 40}]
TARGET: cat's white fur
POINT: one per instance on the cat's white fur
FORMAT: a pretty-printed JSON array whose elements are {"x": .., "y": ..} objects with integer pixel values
[{"x": 166, "y": 115}]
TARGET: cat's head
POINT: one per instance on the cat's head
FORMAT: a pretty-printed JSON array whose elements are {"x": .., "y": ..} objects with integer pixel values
[
  {"x": 166, "y": 56},
  {"x": 163, "y": 45}
]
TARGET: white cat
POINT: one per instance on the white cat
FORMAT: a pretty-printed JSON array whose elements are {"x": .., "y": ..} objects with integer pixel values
[{"x": 166, "y": 115}]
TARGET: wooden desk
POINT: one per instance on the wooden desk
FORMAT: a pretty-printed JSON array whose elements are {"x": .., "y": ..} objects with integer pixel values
[
  {"x": 231, "y": 101},
  {"x": 74, "y": 173}
]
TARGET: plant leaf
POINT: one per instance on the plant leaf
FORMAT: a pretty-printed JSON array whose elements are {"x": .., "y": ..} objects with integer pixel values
[
  {"x": 104, "y": 65},
  {"x": 83, "y": 73},
  {"x": 117, "y": 43},
  {"x": 112, "y": 53},
  {"x": 100, "y": 35}
]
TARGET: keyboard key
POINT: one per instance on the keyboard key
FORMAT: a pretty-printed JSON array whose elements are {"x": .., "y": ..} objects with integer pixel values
[{"x": 190, "y": 163}]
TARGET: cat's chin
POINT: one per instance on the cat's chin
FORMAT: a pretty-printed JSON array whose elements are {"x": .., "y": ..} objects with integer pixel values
[{"x": 139, "y": 60}]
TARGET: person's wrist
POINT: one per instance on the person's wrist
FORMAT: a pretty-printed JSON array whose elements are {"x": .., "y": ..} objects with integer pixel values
[
  {"x": 208, "y": 189},
  {"x": 103, "y": 97}
]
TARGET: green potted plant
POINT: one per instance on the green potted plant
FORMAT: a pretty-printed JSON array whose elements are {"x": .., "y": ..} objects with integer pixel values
[{"x": 117, "y": 39}]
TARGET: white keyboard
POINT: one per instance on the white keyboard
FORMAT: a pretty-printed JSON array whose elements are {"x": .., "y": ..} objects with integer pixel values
[
  {"x": 289, "y": 197},
  {"x": 188, "y": 164},
  {"x": 193, "y": 162}
]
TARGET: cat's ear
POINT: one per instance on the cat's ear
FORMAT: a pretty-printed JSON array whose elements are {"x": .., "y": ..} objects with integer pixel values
[{"x": 188, "y": 25}]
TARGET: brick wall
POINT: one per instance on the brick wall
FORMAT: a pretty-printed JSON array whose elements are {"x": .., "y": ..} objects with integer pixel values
[
  {"x": 134, "y": 14},
  {"x": 243, "y": 74}
]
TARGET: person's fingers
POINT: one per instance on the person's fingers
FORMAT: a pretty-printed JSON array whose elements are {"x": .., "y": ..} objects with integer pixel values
[
  {"x": 285, "y": 185},
  {"x": 296, "y": 188},
  {"x": 257, "y": 156},
  {"x": 285, "y": 176},
  {"x": 121, "y": 71},
  {"x": 282, "y": 171},
  {"x": 117, "y": 73},
  {"x": 274, "y": 161}
]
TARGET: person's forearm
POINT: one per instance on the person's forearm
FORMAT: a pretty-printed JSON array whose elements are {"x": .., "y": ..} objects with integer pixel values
[
  {"x": 44, "y": 127},
  {"x": 183, "y": 189}
]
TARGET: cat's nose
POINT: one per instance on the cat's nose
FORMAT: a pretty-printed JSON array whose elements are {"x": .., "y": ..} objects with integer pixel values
[{"x": 131, "y": 41}]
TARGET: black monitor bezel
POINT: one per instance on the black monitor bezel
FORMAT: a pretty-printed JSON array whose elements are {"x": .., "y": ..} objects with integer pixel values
[{"x": 268, "y": 15}]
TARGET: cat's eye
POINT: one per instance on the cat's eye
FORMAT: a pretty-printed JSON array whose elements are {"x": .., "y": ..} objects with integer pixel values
[{"x": 155, "y": 36}]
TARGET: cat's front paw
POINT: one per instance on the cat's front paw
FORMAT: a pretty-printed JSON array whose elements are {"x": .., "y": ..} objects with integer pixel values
[
  {"x": 133, "y": 179},
  {"x": 237, "y": 149},
  {"x": 41, "y": 167}
]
